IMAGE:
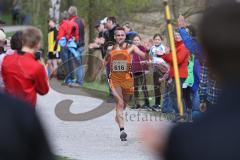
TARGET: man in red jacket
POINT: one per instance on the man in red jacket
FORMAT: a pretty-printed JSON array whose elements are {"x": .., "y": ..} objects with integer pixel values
[
  {"x": 74, "y": 18},
  {"x": 23, "y": 75},
  {"x": 182, "y": 60},
  {"x": 67, "y": 29}
]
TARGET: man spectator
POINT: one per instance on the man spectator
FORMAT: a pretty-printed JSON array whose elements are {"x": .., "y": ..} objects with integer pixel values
[
  {"x": 99, "y": 40},
  {"x": 111, "y": 26},
  {"x": 68, "y": 31},
  {"x": 73, "y": 17},
  {"x": 23, "y": 75}
]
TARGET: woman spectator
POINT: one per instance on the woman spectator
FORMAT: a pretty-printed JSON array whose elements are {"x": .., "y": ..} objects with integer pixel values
[{"x": 182, "y": 59}]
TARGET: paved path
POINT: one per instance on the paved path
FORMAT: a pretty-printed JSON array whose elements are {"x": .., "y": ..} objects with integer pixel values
[{"x": 96, "y": 139}]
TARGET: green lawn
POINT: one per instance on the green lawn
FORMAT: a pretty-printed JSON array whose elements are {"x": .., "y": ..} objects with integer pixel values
[
  {"x": 102, "y": 87},
  {"x": 7, "y": 18}
]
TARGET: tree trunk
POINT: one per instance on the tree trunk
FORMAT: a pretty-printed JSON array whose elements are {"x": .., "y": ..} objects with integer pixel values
[{"x": 90, "y": 59}]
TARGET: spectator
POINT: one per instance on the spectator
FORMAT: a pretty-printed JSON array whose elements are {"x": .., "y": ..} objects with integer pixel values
[
  {"x": 16, "y": 41},
  {"x": 99, "y": 40},
  {"x": 188, "y": 35},
  {"x": 15, "y": 45},
  {"x": 156, "y": 51},
  {"x": 72, "y": 11},
  {"x": 22, "y": 136},
  {"x": 2, "y": 41},
  {"x": 182, "y": 60},
  {"x": 23, "y": 75},
  {"x": 65, "y": 54},
  {"x": 139, "y": 76},
  {"x": 2, "y": 55},
  {"x": 53, "y": 48},
  {"x": 129, "y": 32},
  {"x": 16, "y": 9},
  {"x": 209, "y": 90},
  {"x": 111, "y": 26}
]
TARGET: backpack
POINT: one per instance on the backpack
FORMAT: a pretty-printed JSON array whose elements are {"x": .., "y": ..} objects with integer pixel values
[{"x": 81, "y": 31}]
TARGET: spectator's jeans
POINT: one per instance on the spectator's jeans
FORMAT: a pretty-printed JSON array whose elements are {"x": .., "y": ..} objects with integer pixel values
[
  {"x": 79, "y": 67},
  {"x": 196, "y": 104},
  {"x": 67, "y": 62},
  {"x": 173, "y": 97},
  {"x": 167, "y": 105}
]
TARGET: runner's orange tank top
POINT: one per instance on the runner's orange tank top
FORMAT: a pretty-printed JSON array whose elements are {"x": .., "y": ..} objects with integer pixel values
[{"x": 120, "y": 65}]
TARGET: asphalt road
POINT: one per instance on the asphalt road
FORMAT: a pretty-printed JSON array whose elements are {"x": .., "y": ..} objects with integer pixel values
[{"x": 94, "y": 139}]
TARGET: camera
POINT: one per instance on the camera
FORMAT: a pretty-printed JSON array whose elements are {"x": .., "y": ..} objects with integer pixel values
[{"x": 38, "y": 54}]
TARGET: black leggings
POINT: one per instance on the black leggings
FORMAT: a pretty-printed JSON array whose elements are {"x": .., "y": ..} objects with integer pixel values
[{"x": 187, "y": 98}]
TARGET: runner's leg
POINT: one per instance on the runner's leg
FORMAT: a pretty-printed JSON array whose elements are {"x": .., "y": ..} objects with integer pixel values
[{"x": 117, "y": 92}]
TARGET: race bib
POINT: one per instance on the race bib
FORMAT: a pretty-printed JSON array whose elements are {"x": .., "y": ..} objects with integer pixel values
[{"x": 119, "y": 66}]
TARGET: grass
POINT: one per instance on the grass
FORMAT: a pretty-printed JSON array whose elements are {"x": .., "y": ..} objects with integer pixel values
[
  {"x": 7, "y": 18},
  {"x": 102, "y": 87},
  {"x": 9, "y": 34}
]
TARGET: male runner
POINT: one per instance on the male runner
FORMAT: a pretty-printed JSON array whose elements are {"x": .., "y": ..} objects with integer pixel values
[{"x": 119, "y": 57}]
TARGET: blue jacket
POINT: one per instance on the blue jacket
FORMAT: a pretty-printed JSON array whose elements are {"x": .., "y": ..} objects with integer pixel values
[
  {"x": 71, "y": 45},
  {"x": 194, "y": 47}
]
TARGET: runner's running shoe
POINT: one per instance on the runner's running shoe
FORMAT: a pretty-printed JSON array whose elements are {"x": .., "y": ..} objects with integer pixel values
[{"x": 123, "y": 136}]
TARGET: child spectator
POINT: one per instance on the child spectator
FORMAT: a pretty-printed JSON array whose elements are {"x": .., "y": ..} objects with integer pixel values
[
  {"x": 156, "y": 51},
  {"x": 139, "y": 76}
]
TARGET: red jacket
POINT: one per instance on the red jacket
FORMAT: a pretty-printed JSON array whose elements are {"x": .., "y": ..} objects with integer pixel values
[
  {"x": 24, "y": 77},
  {"x": 81, "y": 27},
  {"x": 182, "y": 60},
  {"x": 68, "y": 29}
]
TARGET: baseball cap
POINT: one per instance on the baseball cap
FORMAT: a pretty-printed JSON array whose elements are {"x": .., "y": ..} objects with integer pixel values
[
  {"x": 104, "y": 20},
  {"x": 98, "y": 22},
  {"x": 2, "y": 36}
]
